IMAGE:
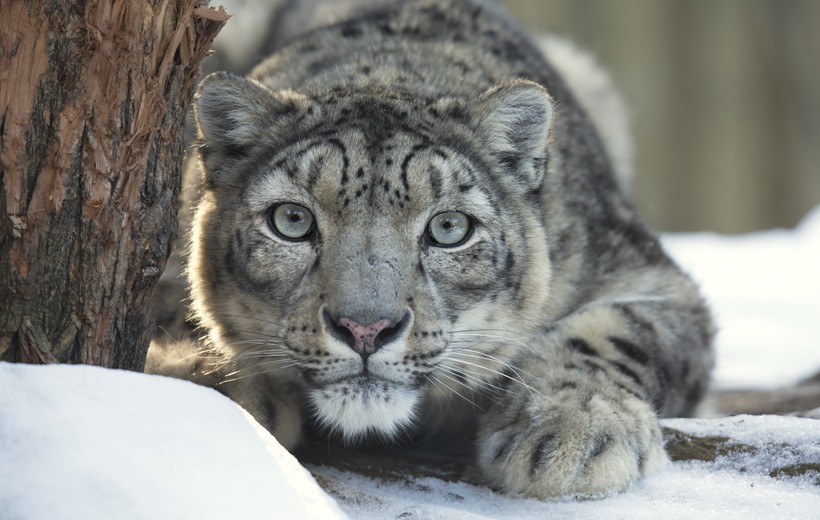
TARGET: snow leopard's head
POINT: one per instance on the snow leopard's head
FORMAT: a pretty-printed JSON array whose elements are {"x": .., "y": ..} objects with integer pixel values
[{"x": 368, "y": 247}]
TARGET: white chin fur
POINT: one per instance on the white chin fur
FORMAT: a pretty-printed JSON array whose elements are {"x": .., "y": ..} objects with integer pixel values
[{"x": 356, "y": 408}]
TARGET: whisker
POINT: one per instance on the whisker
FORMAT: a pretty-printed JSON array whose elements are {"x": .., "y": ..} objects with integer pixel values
[
  {"x": 473, "y": 403},
  {"x": 518, "y": 379},
  {"x": 259, "y": 369},
  {"x": 426, "y": 376},
  {"x": 458, "y": 347},
  {"x": 261, "y": 334},
  {"x": 249, "y": 354},
  {"x": 250, "y": 344},
  {"x": 482, "y": 385},
  {"x": 498, "y": 338},
  {"x": 276, "y": 356},
  {"x": 477, "y": 354},
  {"x": 494, "y": 329},
  {"x": 255, "y": 341},
  {"x": 269, "y": 322}
]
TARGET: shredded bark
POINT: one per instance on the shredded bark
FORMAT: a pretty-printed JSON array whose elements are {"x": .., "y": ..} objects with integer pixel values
[{"x": 93, "y": 98}]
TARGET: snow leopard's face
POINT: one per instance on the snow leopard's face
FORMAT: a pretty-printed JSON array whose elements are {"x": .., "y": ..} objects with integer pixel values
[{"x": 370, "y": 249}]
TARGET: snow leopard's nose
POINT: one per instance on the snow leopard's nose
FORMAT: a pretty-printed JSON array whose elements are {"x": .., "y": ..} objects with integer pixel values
[{"x": 365, "y": 338}]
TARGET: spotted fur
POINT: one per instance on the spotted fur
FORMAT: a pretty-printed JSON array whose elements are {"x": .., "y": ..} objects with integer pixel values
[{"x": 551, "y": 337}]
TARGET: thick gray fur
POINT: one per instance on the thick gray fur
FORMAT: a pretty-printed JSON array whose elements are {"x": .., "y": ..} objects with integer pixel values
[{"x": 551, "y": 339}]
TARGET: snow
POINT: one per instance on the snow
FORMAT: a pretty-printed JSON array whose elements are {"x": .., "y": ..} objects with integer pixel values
[
  {"x": 763, "y": 288},
  {"x": 684, "y": 491},
  {"x": 84, "y": 442},
  {"x": 765, "y": 443}
]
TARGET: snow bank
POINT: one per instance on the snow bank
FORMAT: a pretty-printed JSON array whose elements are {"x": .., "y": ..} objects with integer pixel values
[
  {"x": 79, "y": 442},
  {"x": 83, "y": 442}
]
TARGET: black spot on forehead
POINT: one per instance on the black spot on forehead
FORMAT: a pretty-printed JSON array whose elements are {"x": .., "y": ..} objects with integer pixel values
[
  {"x": 351, "y": 31},
  {"x": 379, "y": 116},
  {"x": 384, "y": 109}
]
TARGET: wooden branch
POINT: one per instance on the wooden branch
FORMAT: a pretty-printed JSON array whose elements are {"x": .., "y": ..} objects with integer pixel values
[{"x": 93, "y": 99}]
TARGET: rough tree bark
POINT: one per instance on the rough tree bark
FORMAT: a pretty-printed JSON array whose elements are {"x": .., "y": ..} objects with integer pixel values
[{"x": 93, "y": 98}]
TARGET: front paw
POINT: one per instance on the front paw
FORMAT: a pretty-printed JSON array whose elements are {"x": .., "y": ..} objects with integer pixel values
[{"x": 582, "y": 447}]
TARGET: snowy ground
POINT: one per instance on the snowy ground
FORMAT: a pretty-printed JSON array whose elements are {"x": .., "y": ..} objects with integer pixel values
[{"x": 84, "y": 442}]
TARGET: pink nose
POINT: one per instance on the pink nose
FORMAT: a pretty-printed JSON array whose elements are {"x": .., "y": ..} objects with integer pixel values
[{"x": 365, "y": 335}]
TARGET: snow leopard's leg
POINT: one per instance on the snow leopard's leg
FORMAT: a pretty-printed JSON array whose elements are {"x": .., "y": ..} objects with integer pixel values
[{"x": 579, "y": 415}]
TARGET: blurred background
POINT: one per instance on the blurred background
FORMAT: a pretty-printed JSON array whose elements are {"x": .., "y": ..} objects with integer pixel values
[{"x": 724, "y": 97}]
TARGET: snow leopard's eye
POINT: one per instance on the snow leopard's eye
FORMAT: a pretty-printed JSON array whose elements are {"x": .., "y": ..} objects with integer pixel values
[
  {"x": 449, "y": 229},
  {"x": 291, "y": 221}
]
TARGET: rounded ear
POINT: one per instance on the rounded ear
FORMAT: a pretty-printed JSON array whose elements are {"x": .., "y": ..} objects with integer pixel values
[
  {"x": 234, "y": 113},
  {"x": 515, "y": 120}
]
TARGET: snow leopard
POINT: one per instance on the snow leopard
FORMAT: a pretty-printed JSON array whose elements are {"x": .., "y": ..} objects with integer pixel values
[{"x": 411, "y": 232}]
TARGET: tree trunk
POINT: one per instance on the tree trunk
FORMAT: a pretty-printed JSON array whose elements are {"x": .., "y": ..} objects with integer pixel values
[{"x": 93, "y": 99}]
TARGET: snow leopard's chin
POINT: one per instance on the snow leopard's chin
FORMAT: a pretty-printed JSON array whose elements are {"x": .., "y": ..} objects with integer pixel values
[{"x": 356, "y": 408}]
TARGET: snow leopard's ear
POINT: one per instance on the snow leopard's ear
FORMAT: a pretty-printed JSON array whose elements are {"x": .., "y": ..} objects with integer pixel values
[
  {"x": 514, "y": 121},
  {"x": 234, "y": 114}
]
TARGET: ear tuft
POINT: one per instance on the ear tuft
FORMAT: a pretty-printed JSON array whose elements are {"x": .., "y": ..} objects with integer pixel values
[{"x": 515, "y": 120}]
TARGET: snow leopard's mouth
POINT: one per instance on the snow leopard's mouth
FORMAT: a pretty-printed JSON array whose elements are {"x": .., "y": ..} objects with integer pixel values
[{"x": 363, "y": 384}]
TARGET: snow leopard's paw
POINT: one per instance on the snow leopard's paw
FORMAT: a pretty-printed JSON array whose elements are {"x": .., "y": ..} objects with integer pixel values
[{"x": 579, "y": 447}]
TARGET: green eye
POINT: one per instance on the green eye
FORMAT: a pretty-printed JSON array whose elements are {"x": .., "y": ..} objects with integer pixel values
[
  {"x": 292, "y": 221},
  {"x": 449, "y": 229}
]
